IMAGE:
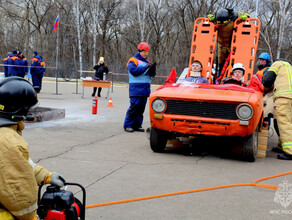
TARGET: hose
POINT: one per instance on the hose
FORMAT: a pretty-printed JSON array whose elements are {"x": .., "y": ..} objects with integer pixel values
[{"x": 255, "y": 183}]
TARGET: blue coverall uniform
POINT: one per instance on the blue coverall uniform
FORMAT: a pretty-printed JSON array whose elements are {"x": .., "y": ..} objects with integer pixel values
[
  {"x": 139, "y": 91},
  {"x": 37, "y": 70},
  {"x": 21, "y": 65},
  {"x": 12, "y": 68}
]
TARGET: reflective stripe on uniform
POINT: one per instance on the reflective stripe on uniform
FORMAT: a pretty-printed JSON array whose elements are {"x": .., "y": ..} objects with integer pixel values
[
  {"x": 25, "y": 211},
  {"x": 289, "y": 75},
  {"x": 257, "y": 77},
  {"x": 288, "y": 69},
  {"x": 133, "y": 59},
  {"x": 5, "y": 215},
  {"x": 31, "y": 163},
  {"x": 287, "y": 145},
  {"x": 274, "y": 69},
  {"x": 282, "y": 92}
]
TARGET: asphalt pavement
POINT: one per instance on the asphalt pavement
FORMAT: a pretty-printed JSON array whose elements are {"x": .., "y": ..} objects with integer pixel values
[{"x": 113, "y": 165}]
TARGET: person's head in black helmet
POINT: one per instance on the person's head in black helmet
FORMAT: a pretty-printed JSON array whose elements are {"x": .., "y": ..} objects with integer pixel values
[
  {"x": 222, "y": 16},
  {"x": 17, "y": 96}
]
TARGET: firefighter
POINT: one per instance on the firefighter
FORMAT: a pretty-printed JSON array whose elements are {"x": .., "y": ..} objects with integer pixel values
[
  {"x": 224, "y": 19},
  {"x": 279, "y": 79},
  {"x": 140, "y": 73},
  {"x": 19, "y": 175}
]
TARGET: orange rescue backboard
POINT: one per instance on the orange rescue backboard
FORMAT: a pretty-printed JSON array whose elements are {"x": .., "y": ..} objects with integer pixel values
[
  {"x": 204, "y": 33},
  {"x": 244, "y": 45}
]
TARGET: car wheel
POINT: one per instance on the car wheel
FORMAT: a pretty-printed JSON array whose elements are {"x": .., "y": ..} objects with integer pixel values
[
  {"x": 250, "y": 146},
  {"x": 158, "y": 140}
]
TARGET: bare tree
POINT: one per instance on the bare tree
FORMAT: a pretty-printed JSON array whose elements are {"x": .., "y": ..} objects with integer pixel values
[
  {"x": 113, "y": 28},
  {"x": 77, "y": 17},
  {"x": 284, "y": 12},
  {"x": 94, "y": 9},
  {"x": 142, "y": 17}
]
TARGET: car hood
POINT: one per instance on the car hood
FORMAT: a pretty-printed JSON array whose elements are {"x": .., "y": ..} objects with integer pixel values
[{"x": 227, "y": 93}]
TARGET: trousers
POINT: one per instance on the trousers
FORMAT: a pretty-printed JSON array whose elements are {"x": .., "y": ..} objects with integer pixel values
[
  {"x": 283, "y": 114},
  {"x": 134, "y": 115}
]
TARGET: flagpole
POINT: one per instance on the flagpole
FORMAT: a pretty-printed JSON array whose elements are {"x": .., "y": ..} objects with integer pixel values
[{"x": 57, "y": 56}]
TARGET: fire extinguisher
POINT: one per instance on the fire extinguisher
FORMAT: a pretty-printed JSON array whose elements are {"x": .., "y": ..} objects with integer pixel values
[{"x": 94, "y": 105}]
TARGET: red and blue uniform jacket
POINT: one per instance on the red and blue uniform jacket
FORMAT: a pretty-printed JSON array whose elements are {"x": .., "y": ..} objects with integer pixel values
[
  {"x": 139, "y": 81},
  {"x": 37, "y": 67},
  {"x": 12, "y": 68},
  {"x": 22, "y": 66}
]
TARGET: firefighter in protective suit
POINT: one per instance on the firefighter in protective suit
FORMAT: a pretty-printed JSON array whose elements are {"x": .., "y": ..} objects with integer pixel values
[
  {"x": 224, "y": 19},
  {"x": 279, "y": 78},
  {"x": 19, "y": 175}
]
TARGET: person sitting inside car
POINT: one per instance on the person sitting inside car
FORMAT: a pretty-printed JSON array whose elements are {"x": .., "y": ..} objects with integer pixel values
[
  {"x": 237, "y": 75},
  {"x": 195, "y": 74}
]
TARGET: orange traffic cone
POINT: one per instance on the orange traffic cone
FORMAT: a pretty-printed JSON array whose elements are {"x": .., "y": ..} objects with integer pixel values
[{"x": 110, "y": 102}]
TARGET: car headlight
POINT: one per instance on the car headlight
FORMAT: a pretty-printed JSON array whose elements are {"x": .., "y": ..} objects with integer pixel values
[
  {"x": 244, "y": 112},
  {"x": 158, "y": 105}
]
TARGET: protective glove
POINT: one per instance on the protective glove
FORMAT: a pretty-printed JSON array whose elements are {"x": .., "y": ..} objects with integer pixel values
[
  {"x": 243, "y": 17},
  {"x": 211, "y": 17},
  {"x": 55, "y": 179},
  {"x": 152, "y": 70}
]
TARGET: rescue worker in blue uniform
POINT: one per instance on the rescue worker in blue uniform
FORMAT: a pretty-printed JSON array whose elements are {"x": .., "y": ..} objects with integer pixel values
[
  {"x": 21, "y": 65},
  {"x": 140, "y": 73},
  {"x": 12, "y": 68},
  {"x": 37, "y": 69}
]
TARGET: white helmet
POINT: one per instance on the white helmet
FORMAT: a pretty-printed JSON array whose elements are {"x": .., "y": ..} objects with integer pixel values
[{"x": 238, "y": 66}]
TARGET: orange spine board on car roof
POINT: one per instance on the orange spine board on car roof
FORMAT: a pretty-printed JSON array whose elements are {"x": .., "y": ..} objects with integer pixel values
[
  {"x": 204, "y": 33},
  {"x": 244, "y": 45}
]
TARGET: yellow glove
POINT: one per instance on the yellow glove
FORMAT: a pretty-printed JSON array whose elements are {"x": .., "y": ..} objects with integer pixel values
[
  {"x": 55, "y": 179},
  {"x": 5, "y": 215},
  {"x": 243, "y": 17},
  {"x": 211, "y": 17}
]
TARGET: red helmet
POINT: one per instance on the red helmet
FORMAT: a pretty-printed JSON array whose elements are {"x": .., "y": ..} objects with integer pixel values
[{"x": 143, "y": 46}]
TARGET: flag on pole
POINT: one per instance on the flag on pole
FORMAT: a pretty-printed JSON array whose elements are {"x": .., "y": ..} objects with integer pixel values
[{"x": 56, "y": 24}]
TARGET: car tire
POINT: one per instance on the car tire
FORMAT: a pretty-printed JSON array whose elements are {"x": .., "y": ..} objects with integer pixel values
[
  {"x": 250, "y": 146},
  {"x": 158, "y": 140}
]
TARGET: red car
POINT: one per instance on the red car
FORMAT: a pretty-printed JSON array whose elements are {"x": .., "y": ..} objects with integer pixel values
[{"x": 225, "y": 110}]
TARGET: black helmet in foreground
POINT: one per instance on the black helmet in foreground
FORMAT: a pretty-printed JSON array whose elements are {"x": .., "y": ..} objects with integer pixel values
[{"x": 17, "y": 96}]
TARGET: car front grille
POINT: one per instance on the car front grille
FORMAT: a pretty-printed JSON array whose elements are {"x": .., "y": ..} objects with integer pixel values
[{"x": 202, "y": 109}]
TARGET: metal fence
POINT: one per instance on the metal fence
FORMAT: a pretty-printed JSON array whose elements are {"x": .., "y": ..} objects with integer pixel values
[{"x": 69, "y": 71}]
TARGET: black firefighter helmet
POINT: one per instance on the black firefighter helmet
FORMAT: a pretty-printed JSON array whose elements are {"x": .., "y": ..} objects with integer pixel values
[
  {"x": 224, "y": 15},
  {"x": 17, "y": 96}
]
